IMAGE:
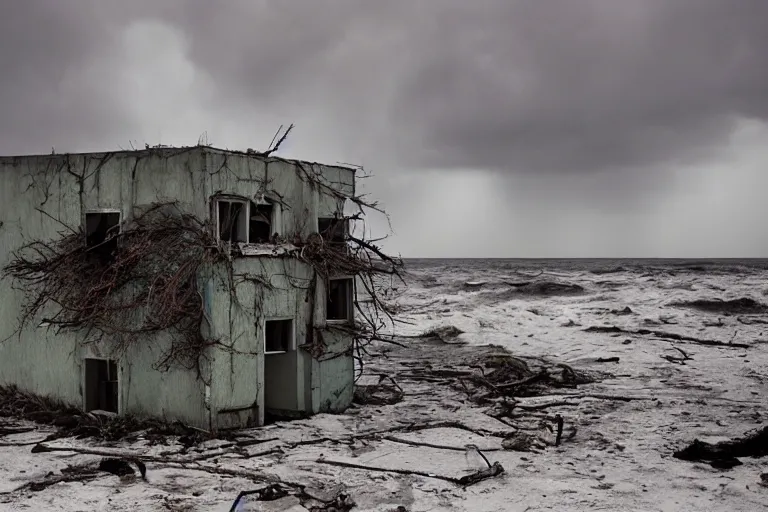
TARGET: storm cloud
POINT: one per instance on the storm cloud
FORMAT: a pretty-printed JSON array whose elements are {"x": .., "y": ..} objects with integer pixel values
[{"x": 595, "y": 105}]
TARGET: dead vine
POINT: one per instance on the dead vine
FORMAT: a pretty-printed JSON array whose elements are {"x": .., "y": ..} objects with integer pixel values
[
  {"x": 357, "y": 256},
  {"x": 140, "y": 280}
]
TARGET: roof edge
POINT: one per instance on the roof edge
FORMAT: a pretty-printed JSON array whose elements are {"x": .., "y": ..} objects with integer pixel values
[{"x": 176, "y": 150}]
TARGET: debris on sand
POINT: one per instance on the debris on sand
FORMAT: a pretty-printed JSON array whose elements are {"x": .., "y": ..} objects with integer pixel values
[
  {"x": 742, "y": 306},
  {"x": 287, "y": 497},
  {"x": 444, "y": 333},
  {"x": 491, "y": 471},
  {"x": 73, "y": 422},
  {"x": 509, "y": 377},
  {"x": 612, "y": 329},
  {"x": 69, "y": 474},
  {"x": 123, "y": 467},
  {"x": 523, "y": 442},
  {"x": 723, "y": 455},
  {"x": 379, "y": 394}
]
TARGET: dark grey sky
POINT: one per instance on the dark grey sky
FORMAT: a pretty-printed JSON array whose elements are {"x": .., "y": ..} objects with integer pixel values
[{"x": 494, "y": 128}]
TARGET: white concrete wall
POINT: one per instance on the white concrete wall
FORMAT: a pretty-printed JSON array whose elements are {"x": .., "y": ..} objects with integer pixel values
[
  {"x": 332, "y": 374},
  {"x": 67, "y": 186},
  {"x": 239, "y": 372}
]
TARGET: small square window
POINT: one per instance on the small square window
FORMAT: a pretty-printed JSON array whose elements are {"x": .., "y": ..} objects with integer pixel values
[
  {"x": 278, "y": 336},
  {"x": 333, "y": 230},
  {"x": 340, "y": 296}
]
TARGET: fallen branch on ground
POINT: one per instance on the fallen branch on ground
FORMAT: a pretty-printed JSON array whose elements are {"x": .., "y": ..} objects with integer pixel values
[
  {"x": 573, "y": 400},
  {"x": 546, "y": 405},
  {"x": 494, "y": 470},
  {"x": 431, "y": 445},
  {"x": 56, "y": 479},
  {"x": 665, "y": 335},
  {"x": 43, "y": 448},
  {"x": 411, "y": 427}
]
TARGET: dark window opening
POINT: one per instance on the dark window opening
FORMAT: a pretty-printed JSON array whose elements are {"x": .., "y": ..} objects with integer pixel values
[
  {"x": 232, "y": 221},
  {"x": 101, "y": 230},
  {"x": 278, "y": 335},
  {"x": 260, "y": 228},
  {"x": 101, "y": 390},
  {"x": 339, "y": 305},
  {"x": 333, "y": 230}
]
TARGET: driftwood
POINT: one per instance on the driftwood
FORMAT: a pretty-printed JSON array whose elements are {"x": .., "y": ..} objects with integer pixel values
[
  {"x": 82, "y": 473},
  {"x": 665, "y": 335},
  {"x": 724, "y": 455},
  {"x": 431, "y": 445},
  {"x": 43, "y": 447},
  {"x": 40, "y": 485},
  {"x": 494, "y": 470},
  {"x": 573, "y": 400},
  {"x": 341, "y": 502}
]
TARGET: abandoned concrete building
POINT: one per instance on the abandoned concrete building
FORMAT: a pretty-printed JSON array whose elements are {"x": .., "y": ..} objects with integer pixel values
[{"x": 275, "y": 332}]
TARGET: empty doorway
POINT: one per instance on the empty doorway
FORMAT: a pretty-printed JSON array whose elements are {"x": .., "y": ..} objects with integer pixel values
[{"x": 280, "y": 370}]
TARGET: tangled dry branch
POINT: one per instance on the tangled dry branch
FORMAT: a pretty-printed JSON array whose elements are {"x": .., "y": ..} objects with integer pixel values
[
  {"x": 374, "y": 272},
  {"x": 146, "y": 285}
]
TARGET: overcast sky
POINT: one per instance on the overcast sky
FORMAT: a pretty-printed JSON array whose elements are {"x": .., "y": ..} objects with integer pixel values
[{"x": 509, "y": 128}]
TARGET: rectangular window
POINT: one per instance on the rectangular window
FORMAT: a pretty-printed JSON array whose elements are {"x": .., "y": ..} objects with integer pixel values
[
  {"x": 340, "y": 296},
  {"x": 278, "y": 336},
  {"x": 101, "y": 230},
  {"x": 333, "y": 230},
  {"x": 232, "y": 221},
  {"x": 245, "y": 221},
  {"x": 101, "y": 386},
  {"x": 260, "y": 229}
]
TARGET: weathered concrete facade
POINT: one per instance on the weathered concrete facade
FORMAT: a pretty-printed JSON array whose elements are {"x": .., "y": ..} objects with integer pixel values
[{"x": 42, "y": 195}]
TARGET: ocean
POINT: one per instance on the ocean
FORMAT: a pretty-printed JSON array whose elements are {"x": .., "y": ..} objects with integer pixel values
[
  {"x": 490, "y": 298},
  {"x": 589, "y": 264}
]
